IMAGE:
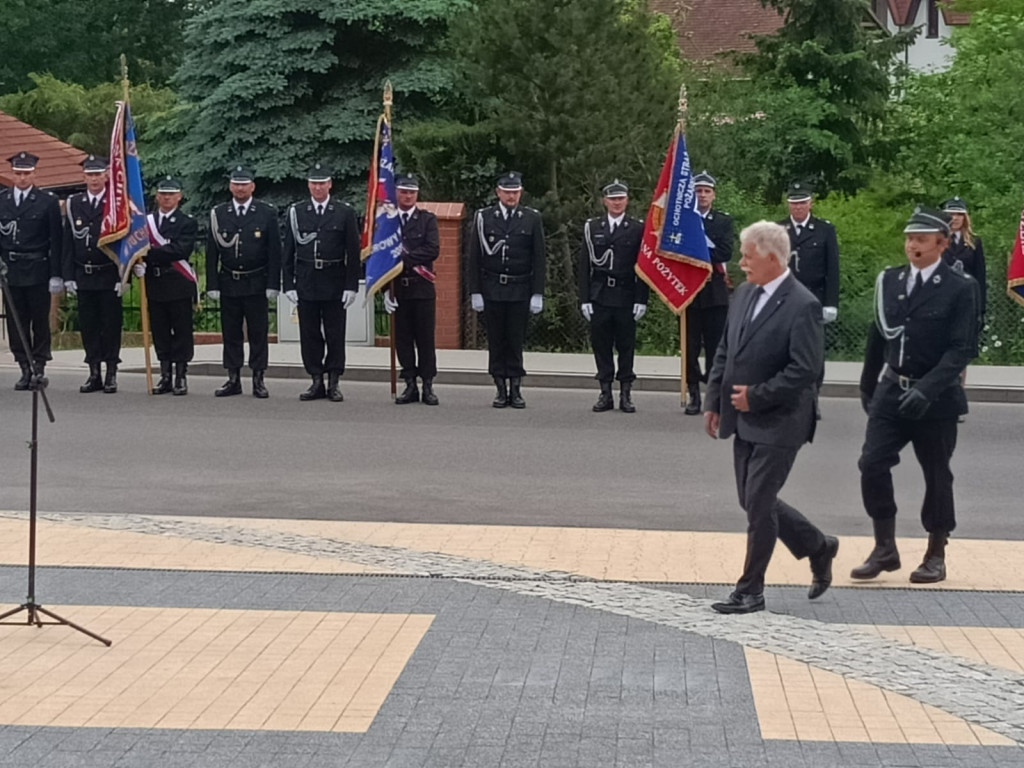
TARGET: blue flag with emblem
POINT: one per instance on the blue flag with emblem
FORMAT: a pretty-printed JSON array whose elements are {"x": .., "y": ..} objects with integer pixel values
[
  {"x": 124, "y": 233},
  {"x": 382, "y": 253}
]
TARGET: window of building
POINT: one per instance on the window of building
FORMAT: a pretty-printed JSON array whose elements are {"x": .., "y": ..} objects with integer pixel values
[{"x": 933, "y": 19}]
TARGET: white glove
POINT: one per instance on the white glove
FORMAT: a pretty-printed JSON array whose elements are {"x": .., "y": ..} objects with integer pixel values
[
  {"x": 476, "y": 301},
  {"x": 71, "y": 287},
  {"x": 56, "y": 285},
  {"x": 348, "y": 298},
  {"x": 829, "y": 314},
  {"x": 272, "y": 293},
  {"x": 587, "y": 310},
  {"x": 639, "y": 310},
  {"x": 119, "y": 288},
  {"x": 536, "y": 304},
  {"x": 390, "y": 304},
  {"x": 292, "y": 296},
  {"x": 213, "y": 295},
  {"x": 139, "y": 269}
]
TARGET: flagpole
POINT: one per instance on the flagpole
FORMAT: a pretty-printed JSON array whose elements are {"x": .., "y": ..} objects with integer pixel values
[
  {"x": 388, "y": 100},
  {"x": 681, "y": 124},
  {"x": 143, "y": 298}
]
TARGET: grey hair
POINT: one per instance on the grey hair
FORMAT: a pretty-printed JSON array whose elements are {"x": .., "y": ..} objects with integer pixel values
[{"x": 769, "y": 238}]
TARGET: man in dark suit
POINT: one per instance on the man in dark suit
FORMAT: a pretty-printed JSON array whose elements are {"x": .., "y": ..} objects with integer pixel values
[
  {"x": 412, "y": 297},
  {"x": 762, "y": 390},
  {"x": 923, "y": 337},
  {"x": 321, "y": 276},
  {"x": 93, "y": 276},
  {"x": 30, "y": 247},
  {"x": 612, "y": 299},
  {"x": 171, "y": 286},
  {"x": 705, "y": 317},
  {"x": 243, "y": 265},
  {"x": 506, "y": 282}
]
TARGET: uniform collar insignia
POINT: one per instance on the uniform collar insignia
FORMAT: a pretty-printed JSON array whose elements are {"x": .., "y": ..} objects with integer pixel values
[
  {"x": 810, "y": 226},
  {"x": 903, "y": 274},
  {"x": 937, "y": 278}
]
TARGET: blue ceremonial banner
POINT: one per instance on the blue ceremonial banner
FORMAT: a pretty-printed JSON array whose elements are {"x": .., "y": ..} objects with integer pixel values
[
  {"x": 682, "y": 235},
  {"x": 382, "y": 253},
  {"x": 124, "y": 234}
]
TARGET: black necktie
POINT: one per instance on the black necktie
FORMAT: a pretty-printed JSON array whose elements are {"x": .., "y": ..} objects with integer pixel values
[
  {"x": 615, "y": 225},
  {"x": 918, "y": 283},
  {"x": 750, "y": 311},
  {"x": 405, "y": 218},
  {"x": 319, "y": 209}
]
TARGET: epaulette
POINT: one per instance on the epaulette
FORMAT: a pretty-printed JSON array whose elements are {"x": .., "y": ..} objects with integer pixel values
[
  {"x": 532, "y": 209},
  {"x": 49, "y": 193}
]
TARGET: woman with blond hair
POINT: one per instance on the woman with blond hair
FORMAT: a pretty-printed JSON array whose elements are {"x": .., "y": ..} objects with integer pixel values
[{"x": 965, "y": 250}]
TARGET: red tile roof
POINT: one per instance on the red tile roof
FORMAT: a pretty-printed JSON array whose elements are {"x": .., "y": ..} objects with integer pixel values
[
  {"x": 706, "y": 28},
  {"x": 58, "y": 162},
  {"x": 954, "y": 18},
  {"x": 903, "y": 11}
]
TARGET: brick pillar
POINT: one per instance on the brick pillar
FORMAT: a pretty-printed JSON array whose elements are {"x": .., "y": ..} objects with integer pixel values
[{"x": 448, "y": 269}]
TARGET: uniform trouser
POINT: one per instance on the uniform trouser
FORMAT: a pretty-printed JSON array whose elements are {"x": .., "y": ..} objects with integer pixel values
[
  {"x": 253, "y": 310},
  {"x": 704, "y": 328},
  {"x": 171, "y": 322},
  {"x": 506, "y": 334},
  {"x": 322, "y": 324},
  {"x": 414, "y": 335},
  {"x": 99, "y": 318},
  {"x": 934, "y": 441},
  {"x": 32, "y": 303},
  {"x": 613, "y": 326},
  {"x": 761, "y": 471}
]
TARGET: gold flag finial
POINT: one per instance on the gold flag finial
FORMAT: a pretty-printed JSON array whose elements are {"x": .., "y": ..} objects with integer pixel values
[
  {"x": 683, "y": 107},
  {"x": 388, "y": 94},
  {"x": 124, "y": 76}
]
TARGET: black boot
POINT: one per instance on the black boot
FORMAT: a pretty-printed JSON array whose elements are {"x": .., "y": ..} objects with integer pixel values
[
  {"x": 95, "y": 382},
  {"x": 692, "y": 402},
  {"x": 501, "y": 398},
  {"x": 515, "y": 397},
  {"x": 259, "y": 389},
  {"x": 163, "y": 384},
  {"x": 410, "y": 394},
  {"x": 316, "y": 391},
  {"x": 333, "y": 393},
  {"x": 180, "y": 379},
  {"x": 605, "y": 401},
  {"x": 110, "y": 382},
  {"x": 429, "y": 398},
  {"x": 933, "y": 567},
  {"x": 26, "y": 376},
  {"x": 625, "y": 400},
  {"x": 233, "y": 386},
  {"x": 884, "y": 557}
]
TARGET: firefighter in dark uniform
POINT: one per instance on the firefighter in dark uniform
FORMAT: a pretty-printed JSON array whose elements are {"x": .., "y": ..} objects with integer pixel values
[
  {"x": 30, "y": 249},
  {"x": 506, "y": 282},
  {"x": 171, "y": 287},
  {"x": 705, "y": 317},
  {"x": 243, "y": 271},
  {"x": 922, "y": 338},
  {"x": 965, "y": 252},
  {"x": 412, "y": 297},
  {"x": 612, "y": 299},
  {"x": 93, "y": 276},
  {"x": 321, "y": 276}
]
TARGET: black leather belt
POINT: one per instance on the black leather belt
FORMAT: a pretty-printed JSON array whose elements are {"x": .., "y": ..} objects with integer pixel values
[
  {"x": 321, "y": 263},
  {"x": 903, "y": 382},
  {"x": 504, "y": 279},
  {"x": 90, "y": 268},
  {"x": 25, "y": 255},
  {"x": 238, "y": 274}
]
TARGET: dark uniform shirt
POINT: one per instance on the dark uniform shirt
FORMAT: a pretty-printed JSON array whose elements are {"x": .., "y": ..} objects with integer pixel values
[
  {"x": 814, "y": 258},
  {"x": 420, "y": 249},
  {"x": 83, "y": 261},
  {"x": 607, "y": 263},
  {"x": 972, "y": 262},
  {"x": 243, "y": 254},
  {"x": 321, "y": 251},
  {"x": 163, "y": 281},
  {"x": 30, "y": 237},
  {"x": 507, "y": 257},
  {"x": 718, "y": 226}
]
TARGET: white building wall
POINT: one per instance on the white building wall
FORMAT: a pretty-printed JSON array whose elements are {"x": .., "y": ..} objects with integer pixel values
[{"x": 929, "y": 54}]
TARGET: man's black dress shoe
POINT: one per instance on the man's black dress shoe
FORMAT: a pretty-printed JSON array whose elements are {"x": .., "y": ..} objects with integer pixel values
[
  {"x": 740, "y": 603},
  {"x": 821, "y": 568}
]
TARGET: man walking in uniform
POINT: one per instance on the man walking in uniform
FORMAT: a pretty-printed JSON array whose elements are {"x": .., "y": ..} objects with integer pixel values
[
  {"x": 612, "y": 299},
  {"x": 321, "y": 276},
  {"x": 414, "y": 299},
  {"x": 93, "y": 276},
  {"x": 171, "y": 286},
  {"x": 243, "y": 270},
  {"x": 507, "y": 270},
  {"x": 762, "y": 390},
  {"x": 705, "y": 316},
  {"x": 30, "y": 248},
  {"x": 924, "y": 332}
]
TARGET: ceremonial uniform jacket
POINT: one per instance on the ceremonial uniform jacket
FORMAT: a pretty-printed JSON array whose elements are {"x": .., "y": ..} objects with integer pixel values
[
  {"x": 321, "y": 252},
  {"x": 607, "y": 263},
  {"x": 30, "y": 237},
  {"x": 927, "y": 337},
  {"x": 973, "y": 262},
  {"x": 163, "y": 281},
  {"x": 507, "y": 257},
  {"x": 243, "y": 254},
  {"x": 420, "y": 249},
  {"x": 83, "y": 261},
  {"x": 718, "y": 227},
  {"x": 814, "y": 258}
]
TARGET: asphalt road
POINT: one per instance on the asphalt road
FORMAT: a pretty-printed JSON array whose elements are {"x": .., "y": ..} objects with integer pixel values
[{"x": 555, "y": 463}]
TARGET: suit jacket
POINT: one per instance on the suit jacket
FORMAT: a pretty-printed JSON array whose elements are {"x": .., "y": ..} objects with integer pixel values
[
  {"x": 82, "y": 260},
  {"x": 31, "y": 239},
  {"x": 609, "y": 278},
  {"x": 163, "y": 281},
  {"x": 420, "y": 248},
  {"x": 778, "y": 357},
  {"x": 251, "y": 264},
  {"x": 973, "y": 262},
  {"x": 328, "y": 264},
  {"x": 718, "y": 227},
  {"x": 507, "y": 260},
  {"x": 814, "y": 258}
]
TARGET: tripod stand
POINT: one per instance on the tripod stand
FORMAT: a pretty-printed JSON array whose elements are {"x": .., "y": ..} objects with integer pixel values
[{"x": 37, "y": 383}]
